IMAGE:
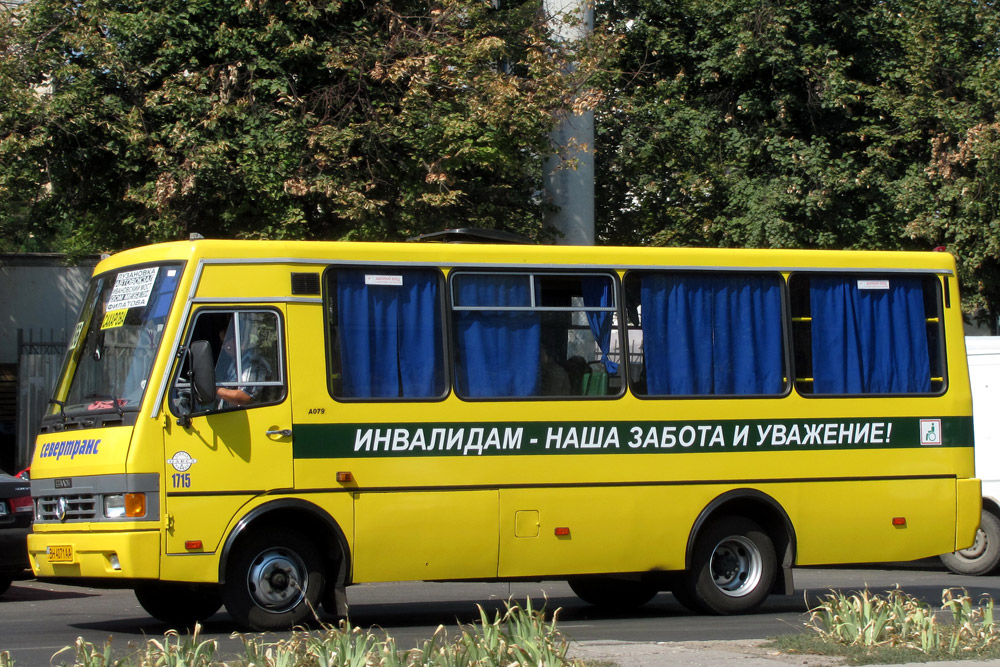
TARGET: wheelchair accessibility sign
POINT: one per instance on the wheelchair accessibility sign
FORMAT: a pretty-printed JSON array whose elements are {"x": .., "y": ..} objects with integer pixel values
[{"x": 930, "y": 431}]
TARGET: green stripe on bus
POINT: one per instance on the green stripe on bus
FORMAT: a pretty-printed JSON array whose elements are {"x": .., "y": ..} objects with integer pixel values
[{"x": 319, "y": 441}]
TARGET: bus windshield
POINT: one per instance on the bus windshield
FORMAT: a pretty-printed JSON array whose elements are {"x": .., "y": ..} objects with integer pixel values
[{"x": 108, "y": 360}]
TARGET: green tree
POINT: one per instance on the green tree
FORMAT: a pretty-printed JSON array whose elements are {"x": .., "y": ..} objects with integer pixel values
[
  {"x": 128, "y": 121},
  {"x": 806, "y": 124}
]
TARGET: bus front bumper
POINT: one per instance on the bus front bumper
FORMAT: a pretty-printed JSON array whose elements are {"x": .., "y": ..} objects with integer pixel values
[{"x": 124, "y": 555}]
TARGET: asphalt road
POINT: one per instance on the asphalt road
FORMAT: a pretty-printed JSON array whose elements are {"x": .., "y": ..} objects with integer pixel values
[{"x": 39, "y": 619}]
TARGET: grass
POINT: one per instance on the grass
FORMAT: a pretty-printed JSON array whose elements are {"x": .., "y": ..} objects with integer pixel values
[
  {"x": 813, "y": 644},
  {"x": 862, "y": 628},
  {"x": 521, "y": 636},
  {"x": 866, "y": 628}
]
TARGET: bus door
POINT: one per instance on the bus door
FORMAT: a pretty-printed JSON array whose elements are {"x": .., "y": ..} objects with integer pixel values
[{"x": 221, "y": 453}]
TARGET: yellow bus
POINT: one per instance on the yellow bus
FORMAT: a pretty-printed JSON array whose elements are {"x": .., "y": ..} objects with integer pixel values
[{"x": 262, "y": 424}]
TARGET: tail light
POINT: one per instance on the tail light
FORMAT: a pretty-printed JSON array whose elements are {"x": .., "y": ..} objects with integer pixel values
[{"x": 22, "y": 504}]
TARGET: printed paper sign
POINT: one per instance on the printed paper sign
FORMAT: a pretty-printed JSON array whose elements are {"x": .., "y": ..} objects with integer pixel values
[
  {"x": 132, "y": 289},
  {"x": 76, "y": 335},
  {"x": 873, "y": 284},
  {"x": 375, "y": 279},
  {"x": 114, "y": 318}
]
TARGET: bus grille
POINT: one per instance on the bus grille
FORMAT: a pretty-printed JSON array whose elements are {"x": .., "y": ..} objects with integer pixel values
[{"x": 79, "y": 507}]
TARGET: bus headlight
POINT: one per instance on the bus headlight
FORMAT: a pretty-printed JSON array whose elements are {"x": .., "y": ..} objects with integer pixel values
[{"x": 125, "y": 505}]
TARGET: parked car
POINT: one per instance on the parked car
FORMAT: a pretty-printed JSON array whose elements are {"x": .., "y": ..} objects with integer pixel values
[{"x": 16, "y": 512}]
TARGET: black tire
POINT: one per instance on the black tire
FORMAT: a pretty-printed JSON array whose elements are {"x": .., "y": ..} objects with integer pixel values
[
  {"x": 685, "y": 597},
  {"x": 983, "y": 556},
  {"x": 177, "y": 604},
  {"x": 611, "y": 593},
  {"x": 732, "y": 568},
  {"x": 274, "y": 580},
  {"x": 5, "y": 582}
]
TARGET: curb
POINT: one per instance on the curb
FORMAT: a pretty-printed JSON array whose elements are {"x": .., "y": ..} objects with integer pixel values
[{"x": 721, "y": 653}]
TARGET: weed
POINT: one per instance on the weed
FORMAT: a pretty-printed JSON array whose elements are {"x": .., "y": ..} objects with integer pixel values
[
  {"x": 899, "y": 620},
  {"x": 520, "y": 636}
]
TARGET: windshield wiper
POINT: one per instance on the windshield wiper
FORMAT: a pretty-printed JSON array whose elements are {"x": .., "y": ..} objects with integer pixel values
[{"x": 62, "y": 406}]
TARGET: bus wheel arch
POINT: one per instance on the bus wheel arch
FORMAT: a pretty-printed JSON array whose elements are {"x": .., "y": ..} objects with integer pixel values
[
  {"x": 740, "y": 549},
  {"x": 288, "y": 537}
]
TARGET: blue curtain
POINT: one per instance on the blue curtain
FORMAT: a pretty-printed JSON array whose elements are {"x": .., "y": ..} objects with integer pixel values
[
  {"x": 497, "y": 352},
  {"x": 597, "y": 293},
  {"x": 164, "y": 293},
  {"x": 868, "y": 341},
  {"x": 712, "y": 334},
  {"x": 390, "y": 336}
]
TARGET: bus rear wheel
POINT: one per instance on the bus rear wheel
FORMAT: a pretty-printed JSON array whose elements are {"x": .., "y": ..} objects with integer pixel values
[
  {"x": 984, "y": 555},
  {"x": 611, "y": 593},
  {"x": 732, "y": 568},
  {"x": 177, "y": 604},
  {"x": 274, "y": 580}
]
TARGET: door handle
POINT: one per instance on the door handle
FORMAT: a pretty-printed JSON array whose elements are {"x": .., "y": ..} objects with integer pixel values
[{"x": 284, "y": 432}]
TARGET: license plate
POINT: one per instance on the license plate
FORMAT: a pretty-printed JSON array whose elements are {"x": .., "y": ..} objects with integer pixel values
[
  {"x": 3, "y": 508},
  {"x": 60, "y": 554}
]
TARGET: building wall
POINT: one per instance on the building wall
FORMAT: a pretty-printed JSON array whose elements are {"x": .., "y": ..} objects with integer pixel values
[{"x": 40, "y": 294}]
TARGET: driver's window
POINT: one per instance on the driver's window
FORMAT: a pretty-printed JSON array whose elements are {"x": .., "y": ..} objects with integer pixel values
[{"x": 246, "y": 356}]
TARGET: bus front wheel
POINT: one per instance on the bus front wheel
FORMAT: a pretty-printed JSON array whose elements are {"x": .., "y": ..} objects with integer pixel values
[
  {"x": 983, "y": 556},
  {"x": 732, "y": 567},
  {"x": 274, "y": 580}
]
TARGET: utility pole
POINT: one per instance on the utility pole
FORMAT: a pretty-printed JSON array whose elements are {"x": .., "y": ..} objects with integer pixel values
[{"x": 570, "y": 187}]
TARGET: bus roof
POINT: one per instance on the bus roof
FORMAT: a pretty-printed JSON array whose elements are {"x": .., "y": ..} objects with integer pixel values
[{"x": 540, "y": 256}]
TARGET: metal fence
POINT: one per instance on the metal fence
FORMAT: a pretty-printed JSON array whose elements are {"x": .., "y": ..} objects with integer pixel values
[{"x": 38, "y": 363}]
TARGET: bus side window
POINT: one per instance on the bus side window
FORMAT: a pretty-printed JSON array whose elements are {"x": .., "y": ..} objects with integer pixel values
[
  {"x": 529, "y": 335},
  {"x": 385, "y": 333},
  {"x": 866, "y": 334},
  {"x": 246, "y": 354},
  {"x": 694, "y": 333}
]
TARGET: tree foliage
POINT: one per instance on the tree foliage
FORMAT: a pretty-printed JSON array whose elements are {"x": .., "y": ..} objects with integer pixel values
[
  {"x": 761, "y": 123},
  {"x": 127, "y": 121},
  {"x": 775, "y": 123}
]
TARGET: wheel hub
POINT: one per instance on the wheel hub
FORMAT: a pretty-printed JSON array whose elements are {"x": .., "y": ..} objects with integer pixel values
[
  {"x": 736, "y": 566},
  {"x": 977, "y": 549},
  {"x": 276, "y": 581}
]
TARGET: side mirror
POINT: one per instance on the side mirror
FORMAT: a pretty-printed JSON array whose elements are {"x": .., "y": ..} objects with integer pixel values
[{"x": 202, "y": 371}]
